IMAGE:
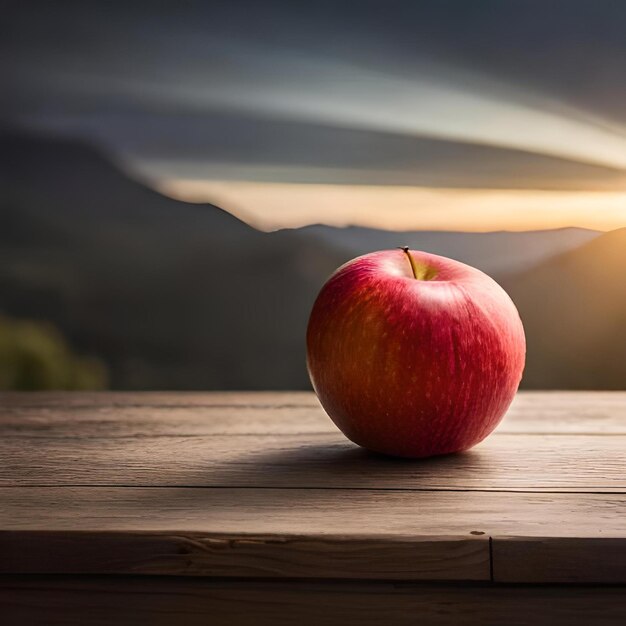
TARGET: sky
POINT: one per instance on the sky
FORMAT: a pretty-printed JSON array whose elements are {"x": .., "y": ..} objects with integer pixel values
[{"x": 499, "y": 114}]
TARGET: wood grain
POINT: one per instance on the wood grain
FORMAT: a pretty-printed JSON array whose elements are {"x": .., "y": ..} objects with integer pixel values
[
  {"x": 40, "y": 399},
  {"x": 263, "y": 485},
  {"x": 187, "y": 414},
  {"x": 283, "y": 530},
  {"x": 376, "y": 513},
  {"x": 581, "y": 463},
  {"x": 99, "y": 601},
  {"x": 259, "y": 556}
]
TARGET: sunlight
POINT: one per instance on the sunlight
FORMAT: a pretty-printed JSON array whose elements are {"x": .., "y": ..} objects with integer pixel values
[{"x": 270, "y": 206}]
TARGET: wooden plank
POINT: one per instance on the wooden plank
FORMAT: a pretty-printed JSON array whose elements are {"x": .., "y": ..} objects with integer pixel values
[
  {"x": 84, "y": 601},
  {"x": 567, "y": 412},
  {"x": 188, "y": 414},
  {"x": 156, "y": 398},
  {"x": 260, "y": 556},
  {"x": 313, "y": 511},
  {"x": 158, "y": 421},
  {"x": 335, "y": 498},
  {"x": 501, "y": 463},
  {"x": 566, "y": 559},
  {"x": 430, "y": 523},
  {"x": 289, "y": 511}
]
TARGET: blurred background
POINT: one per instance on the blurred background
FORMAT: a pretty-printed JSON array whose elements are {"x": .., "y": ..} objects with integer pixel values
[{"x": 178, "y": 179}]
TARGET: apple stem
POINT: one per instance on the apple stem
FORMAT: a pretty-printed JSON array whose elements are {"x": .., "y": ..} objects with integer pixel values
[{"x": 405, "y": 249}]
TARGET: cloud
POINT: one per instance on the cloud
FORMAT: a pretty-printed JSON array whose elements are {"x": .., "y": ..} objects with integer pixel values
[
  {"x": 437, "y": 103},
  {"x": 444, "y": 94},
  {"x": 237, "y": 146}
]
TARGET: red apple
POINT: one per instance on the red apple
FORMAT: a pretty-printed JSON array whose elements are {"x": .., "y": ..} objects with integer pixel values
[{"x": 413, "y": 354}]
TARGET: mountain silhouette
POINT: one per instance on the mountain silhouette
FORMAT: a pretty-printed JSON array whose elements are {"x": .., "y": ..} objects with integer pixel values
[
  {"x": 174, "y": 295},
  {"x": 497, "y": 253},
  {"x": 169, "y": 294}
]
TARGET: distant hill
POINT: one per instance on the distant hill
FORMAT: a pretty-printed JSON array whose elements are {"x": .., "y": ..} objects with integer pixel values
[
  {"x": 173, "y": 295},
  {"x": 574, "y": 311},
  {"x": 496, "y": 253},
  {"x": 169, "y": 294}
]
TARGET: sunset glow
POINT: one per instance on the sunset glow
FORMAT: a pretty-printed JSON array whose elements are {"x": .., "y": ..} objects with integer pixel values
[{"x": 270, "y": 206}]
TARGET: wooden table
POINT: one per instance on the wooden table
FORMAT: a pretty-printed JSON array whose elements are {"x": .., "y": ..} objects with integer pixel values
[{"x": 251, "y": 508}]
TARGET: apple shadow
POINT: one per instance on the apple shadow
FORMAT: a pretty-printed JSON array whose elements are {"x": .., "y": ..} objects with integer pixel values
[
  {"x": 306, "y": 469},
  {"x": 295, "y": 488},
  {"x": 341, "y": 464}
]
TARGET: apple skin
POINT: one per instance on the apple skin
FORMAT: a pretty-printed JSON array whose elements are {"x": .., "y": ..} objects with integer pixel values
[{"x": 414, "y": 367}]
